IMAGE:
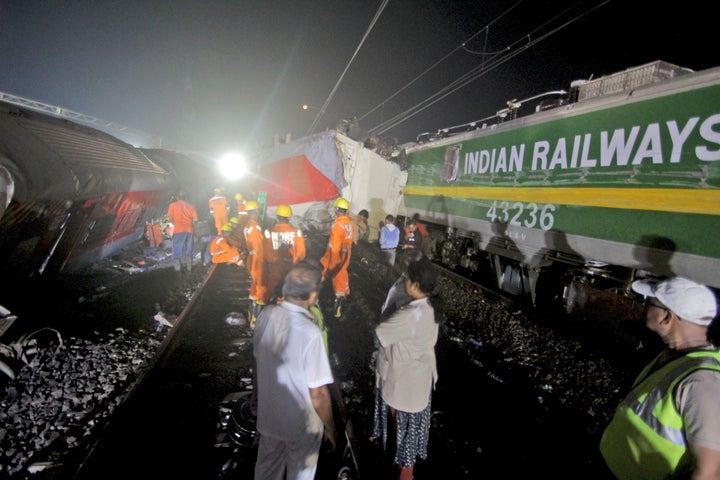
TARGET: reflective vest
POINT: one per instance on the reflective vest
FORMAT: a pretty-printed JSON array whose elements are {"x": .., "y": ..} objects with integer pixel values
[
  {"x": 219, "y": 210},
  {"x": 284, "y": 243},
  {"x": 336, "y": 259},
  {"x": 256, "y": 260},
  {"x": 646, "y": 439},
  {"x": 339, "y": 248},
  {"x": 284, "y": 247},
  {"x": 222, "y": 252}
]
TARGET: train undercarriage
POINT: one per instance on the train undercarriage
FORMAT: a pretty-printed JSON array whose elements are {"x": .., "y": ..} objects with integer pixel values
[{"x": 553, "y": 280}]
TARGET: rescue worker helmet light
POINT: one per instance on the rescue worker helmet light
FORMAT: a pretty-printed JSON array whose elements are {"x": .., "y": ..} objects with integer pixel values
[
  {"x": 284, "y": 211},
  {"x": 342, "y": 203},
  {"x": 251, "y": 205}
]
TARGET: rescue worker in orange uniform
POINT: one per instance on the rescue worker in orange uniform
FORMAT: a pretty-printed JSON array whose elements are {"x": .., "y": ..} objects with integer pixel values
[
  {"x": 222, "y": 250},
  {"x": 255, "y": 261},
  {"x": 239, "y": 222},
  {"x": 284, "y": 247},
  {"x": 183, "y": 216},
  {"x": 237, "y": 235},
  {"x": 240, "y": 204},
  {"x": 219, "y": 209},
  {"x": 336, "y": 259}
]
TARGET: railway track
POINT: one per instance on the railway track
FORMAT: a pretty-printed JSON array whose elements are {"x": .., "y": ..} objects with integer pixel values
[
  {"x": 167, "y": 426},
  {"x": 529, "y": 378},
  {"x": 502, "y": 370},
  {"x": 176, "y": 422}
]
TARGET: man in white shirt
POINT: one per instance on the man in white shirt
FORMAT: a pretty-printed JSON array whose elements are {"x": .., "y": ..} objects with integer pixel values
[{"x": 292, "y": 374}]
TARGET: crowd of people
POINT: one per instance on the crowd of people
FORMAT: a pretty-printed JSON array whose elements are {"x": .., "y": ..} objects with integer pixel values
[{"x": 668, "y": 426}]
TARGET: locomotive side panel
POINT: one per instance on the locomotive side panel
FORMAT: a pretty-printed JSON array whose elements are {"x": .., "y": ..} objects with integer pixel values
[{"x": 630, "y": 180}]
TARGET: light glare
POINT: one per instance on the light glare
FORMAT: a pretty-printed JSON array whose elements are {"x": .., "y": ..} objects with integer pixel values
[{"x": 232, "y": 166}]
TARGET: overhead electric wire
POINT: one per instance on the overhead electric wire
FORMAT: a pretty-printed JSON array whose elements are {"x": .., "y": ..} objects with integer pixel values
[
  {"x": 461, "y": 46},
  {"x": 468, "y": 77},
  {"x": 476, "y": 72},
  {"x": 337, "y": 84}
]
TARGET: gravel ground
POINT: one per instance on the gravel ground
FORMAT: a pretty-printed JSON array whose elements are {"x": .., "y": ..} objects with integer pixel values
[
  {"x": 77, "y": 353},
  {"x": 519, "y": 392}
]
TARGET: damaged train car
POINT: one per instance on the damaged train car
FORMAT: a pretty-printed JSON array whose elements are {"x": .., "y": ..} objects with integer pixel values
[
  {"x": 309, "y": 173},
  {"x": 71, "y": 194}
]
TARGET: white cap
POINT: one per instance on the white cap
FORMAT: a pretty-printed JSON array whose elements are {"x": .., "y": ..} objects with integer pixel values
[{"x": 690, "y": 300}]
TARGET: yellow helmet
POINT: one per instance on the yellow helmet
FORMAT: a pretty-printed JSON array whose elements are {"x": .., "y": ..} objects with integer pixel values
[
  {"x": 238, "y": 197},
  {"x": 219, "y": 189},
  {"x": 284, "y": 211},
  {"x": 251, "y": 205},
  {"x": 234, "y": 220},
  {"x": 228, "y": 227},
  {"x": 341, "y": 203}
]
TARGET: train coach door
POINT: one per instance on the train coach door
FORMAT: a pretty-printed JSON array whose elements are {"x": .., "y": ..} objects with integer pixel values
[{"x": 64, "y": 240}]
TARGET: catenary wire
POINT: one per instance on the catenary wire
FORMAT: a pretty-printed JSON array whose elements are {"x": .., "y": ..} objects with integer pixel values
[
  {"x": 479, "y": 71},
  {"x": 432, "y": 67},
  {"x": 337, "y": 84}
]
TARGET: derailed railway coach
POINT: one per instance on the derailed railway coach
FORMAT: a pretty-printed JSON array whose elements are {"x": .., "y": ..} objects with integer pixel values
[
  {"x": 71, "y": 194},
  {"x": 309, "y": 173},
  {"x": 619, "y": 179}
]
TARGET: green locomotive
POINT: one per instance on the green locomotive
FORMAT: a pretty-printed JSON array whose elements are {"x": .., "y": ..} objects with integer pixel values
[{"x": 619, "y": 179}]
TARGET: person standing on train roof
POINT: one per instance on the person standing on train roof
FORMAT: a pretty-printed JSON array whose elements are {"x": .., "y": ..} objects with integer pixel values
[
  {"x": 183, "y": 215},
  {"x": 669, "y": 424},
  {"x": 219, "y": 209},
  {"x": 222, "y": 250},
  {"x": 336, "y": 259},
  {"x": 360, "y": 223},
  {"x": 255, "y": 262},
  {"x": 284, "y": 247}
]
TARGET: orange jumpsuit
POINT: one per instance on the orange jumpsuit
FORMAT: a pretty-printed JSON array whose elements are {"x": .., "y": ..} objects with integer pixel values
[
  {"x": 337, "y": 256},
  {"x": 223, "y": 252},
  {"x": 183, "y": 215},
  {"x": 284, "y": 247},
  {"x": 237, "y": 238},
  {"x": 219, "y": 209},
  {"x": 255, "y": 261}
]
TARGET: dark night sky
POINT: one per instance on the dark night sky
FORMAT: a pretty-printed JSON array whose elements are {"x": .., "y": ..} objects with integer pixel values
[{"x": 251, "y": 65}]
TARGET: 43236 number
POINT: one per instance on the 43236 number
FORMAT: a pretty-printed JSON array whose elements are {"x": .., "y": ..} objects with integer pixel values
[{"x": 522, "y": 214}]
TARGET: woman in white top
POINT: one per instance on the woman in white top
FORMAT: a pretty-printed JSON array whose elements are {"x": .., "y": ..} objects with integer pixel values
[{"x": 406, "y": 369}]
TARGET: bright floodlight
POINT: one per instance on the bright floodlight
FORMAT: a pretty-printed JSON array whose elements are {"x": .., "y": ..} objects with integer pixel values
[{"x": 232, "y": 166}]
